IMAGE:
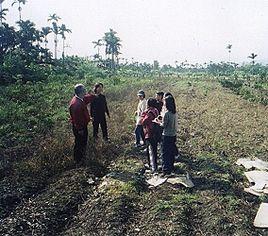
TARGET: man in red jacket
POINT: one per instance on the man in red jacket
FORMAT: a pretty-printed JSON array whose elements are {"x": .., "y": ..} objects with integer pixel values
[{"x": 80, "y": 118}]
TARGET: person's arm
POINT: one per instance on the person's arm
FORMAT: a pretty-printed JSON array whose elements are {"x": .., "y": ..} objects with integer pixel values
[
  {"x": 89, "y": 98},
  {"x": 165, "y": 120},
  {"x": 92, "y": 106},
  {"x": 147, "y": 118},
  {"x": 106, "y": 107},
  {"x": 144, "y": 106}
]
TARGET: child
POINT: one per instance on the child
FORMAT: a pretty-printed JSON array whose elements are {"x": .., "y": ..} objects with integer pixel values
[
  {"x": 139, "y": 134},
  {"x": 147, "y": 121},
  {"x": 169, "y": 135},
  {"x": 98, "y": 109}
]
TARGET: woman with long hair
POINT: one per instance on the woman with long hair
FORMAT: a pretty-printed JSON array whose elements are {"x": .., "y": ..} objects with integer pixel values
[
  {"x": 169, "y": 135},
  {"x": 147, "y": 122}
]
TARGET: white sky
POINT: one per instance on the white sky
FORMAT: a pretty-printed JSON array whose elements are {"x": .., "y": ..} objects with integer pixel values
[{"x": 163, "y": 30}]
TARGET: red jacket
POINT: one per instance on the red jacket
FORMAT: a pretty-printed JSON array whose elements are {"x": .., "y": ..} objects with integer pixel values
[
  {"x": 147, "y": 121},
  {"x": 79, "y": 113}
]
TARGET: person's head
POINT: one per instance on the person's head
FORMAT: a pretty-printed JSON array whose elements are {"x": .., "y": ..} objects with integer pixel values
[
  {"x": 141, "y": 94},
  {"x": 167, "y": 94},
  {"x": 79, "y": 90},
  {"x": 159, "y": 96},
  {"x": 98, "y": 88},
  {"x": 152, "y": 102},
  {"x": 170, "y": 104}
]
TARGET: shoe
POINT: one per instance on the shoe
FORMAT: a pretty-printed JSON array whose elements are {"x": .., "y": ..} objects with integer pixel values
[
  {"x": 147, "y": 167},
  {"x": 138, "y": 145},
  {"x": 166, "y": 175}
]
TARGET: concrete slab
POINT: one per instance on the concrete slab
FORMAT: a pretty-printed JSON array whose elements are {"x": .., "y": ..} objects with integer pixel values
[
  {"x": 257, "y": 176},
  {"x": 261, "y": 219},
  {"x": 260, "y": 180},
  {"x": 257, "y": 163},
  {"x": 184, "y": 180},
  {"x": 156, "y": 181},
  {"x": 252, "y": 191}
]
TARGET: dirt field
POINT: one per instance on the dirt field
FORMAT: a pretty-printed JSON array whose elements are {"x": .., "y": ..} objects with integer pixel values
[{"x": 216, "y": 128}]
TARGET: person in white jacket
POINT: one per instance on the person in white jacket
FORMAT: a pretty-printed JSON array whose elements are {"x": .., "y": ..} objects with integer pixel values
[{"x": 139, "y": 134}]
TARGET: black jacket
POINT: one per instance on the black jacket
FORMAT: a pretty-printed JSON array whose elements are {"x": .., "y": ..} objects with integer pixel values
[{"x": 99, "y": 107}]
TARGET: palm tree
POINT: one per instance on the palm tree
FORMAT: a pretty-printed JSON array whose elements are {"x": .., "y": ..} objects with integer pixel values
[
  {"x": 45, "y": 32},
  {"x": 229, "y": 48},
  {"x": 252, "y": 56},
  {"x": 98, "y": 44},
  {"x": 3, "y": 13},
  {"x": 55, "y": 29},
  {"x": 112, "y": 46},
  {"x": 19, "y": 2},
  {"x": 62, "y": 31}
]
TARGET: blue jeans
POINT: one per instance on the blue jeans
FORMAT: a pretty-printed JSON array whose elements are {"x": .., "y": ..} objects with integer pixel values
[
  {"x": 139, "y": 134},
  {"x": 152, "y": 153},
  {"x": 168, "y": 153}
]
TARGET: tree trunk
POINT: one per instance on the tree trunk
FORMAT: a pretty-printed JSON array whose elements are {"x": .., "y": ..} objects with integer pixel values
[
  {"x": 113, "y": 63},
  {"x": 56, "y": 45},
  {"x": 1, "y": 8},
  {"x": 63, "y": 50},
  {"x": 19, "y": 11},
  {"x": 46, "y": 42}
]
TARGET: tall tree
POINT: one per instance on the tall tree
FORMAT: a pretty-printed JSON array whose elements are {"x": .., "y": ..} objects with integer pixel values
[
  {"x": 252, "y": 56},
  {"x": 55, "y": 29},
  {"x": 19, "y": 2},
  {"x": 62, "y": 31},
  {"x": 229, "y": 48},
  {"x": 112, "y": 46},
  {"x": 8, "y": 36},
  {"x": 3, "y": 13},
  {"x": 45, "y": 32},
  {"x": 98, "y": 44}
]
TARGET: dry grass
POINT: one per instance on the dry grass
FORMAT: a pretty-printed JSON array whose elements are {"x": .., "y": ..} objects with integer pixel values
[{"x": 216, "y": 128}]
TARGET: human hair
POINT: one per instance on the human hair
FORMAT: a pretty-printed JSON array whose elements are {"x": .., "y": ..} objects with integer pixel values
[
  {"x": 167, "y": 94},
  {"x": 78, "y": 89},
  {"x": 97, "y": 86},
  {"x": 141, "y": 93},
  {"x": 170, "y": 104},
  {"x": 152, "y": 102},
  {"x": 161, "y": 94}
]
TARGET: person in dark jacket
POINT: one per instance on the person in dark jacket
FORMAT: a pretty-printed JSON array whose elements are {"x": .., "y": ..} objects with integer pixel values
[
  {"x": 98, "y": 109},
  {"x": 147, "y": 122},
  {"x": 79, "y": 118},
  {"x": 159, "y": 101}
]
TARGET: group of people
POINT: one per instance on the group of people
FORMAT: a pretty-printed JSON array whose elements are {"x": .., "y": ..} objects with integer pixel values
[
  {"x": 83, "y": 108},
  {"x": 156, "y": 124}
]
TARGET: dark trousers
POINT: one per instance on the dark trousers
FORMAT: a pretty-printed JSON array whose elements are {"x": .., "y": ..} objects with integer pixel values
[
  {"x": 100, "y": 121},
  {"x": 80, "y": 143},
  {"x": 152, "y": 153},
  {"x": 169, "y": 150},
  {"x": 139, "y": 134}
]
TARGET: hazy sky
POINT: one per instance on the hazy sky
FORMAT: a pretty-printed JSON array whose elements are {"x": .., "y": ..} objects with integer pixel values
[{"x": 166, "y": 30}]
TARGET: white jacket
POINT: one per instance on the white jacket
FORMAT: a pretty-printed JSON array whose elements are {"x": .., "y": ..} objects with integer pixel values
[{"x": 141, "y": 108}]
